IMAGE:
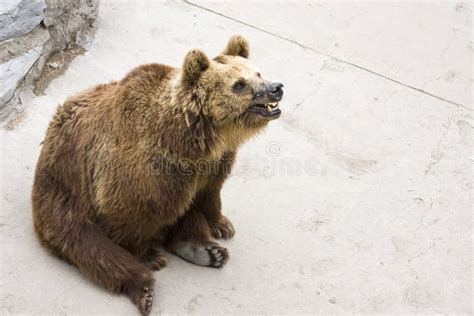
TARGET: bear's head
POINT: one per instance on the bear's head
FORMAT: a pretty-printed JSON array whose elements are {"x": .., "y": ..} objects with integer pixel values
[{"x": 228, "y": 90}]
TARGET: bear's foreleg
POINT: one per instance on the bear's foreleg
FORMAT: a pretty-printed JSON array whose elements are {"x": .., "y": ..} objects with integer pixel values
[
  {"x": 208, "y": 200},
  {"x": 209, "y": 205},
  {"x": 151, "y": 255}
]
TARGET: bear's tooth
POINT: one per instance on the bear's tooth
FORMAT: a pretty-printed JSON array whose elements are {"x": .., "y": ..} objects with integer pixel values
[{"x": 269, "y": 108}]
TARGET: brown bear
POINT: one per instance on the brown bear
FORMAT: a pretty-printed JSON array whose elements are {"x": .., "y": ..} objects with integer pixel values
[{"x": 133, "y": 166}]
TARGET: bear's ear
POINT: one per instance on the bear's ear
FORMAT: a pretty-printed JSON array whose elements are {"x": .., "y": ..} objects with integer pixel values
[
  {"x": 194, "y": 64},
  {"x": 237, "y": 46}
]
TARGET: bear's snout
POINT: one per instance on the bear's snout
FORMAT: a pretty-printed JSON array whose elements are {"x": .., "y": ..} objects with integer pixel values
[
  {"x": 275, "y": 91},
  {"x": 269, "y": 92}
]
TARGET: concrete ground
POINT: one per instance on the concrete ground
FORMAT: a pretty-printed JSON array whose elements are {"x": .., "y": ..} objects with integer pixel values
[{"x": 357, "y": 200}]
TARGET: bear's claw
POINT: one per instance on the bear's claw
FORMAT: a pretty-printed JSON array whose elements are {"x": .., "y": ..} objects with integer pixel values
[
  {"x": 218, "y": 255},
  {"x": 158, "y": 262},
  {"x": 222, "y": 229},
  {"x": 208, "y": 254},
  {"x": 146, "y": 301}
]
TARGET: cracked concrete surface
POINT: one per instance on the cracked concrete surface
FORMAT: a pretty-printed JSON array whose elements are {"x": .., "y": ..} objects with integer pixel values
[{"x": 357, "y": 200}]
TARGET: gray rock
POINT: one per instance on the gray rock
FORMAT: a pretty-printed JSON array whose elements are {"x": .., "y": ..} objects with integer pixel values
[
  {"x": 10, "y": 49},
  {"x": 14, "y": 70},
  {"x": 68, "y": 21},
  {"x": 20, "y": 17},
  {"x": 30, "y": 32}
]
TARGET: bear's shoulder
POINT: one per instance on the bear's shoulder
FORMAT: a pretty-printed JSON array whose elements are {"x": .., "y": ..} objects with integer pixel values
[{"x": 148, "y": 74}]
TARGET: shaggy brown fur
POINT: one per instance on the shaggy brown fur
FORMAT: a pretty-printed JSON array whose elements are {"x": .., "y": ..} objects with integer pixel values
[{"x": 135, "y": 165}]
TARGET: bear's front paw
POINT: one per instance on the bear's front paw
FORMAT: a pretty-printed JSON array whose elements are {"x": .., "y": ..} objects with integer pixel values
[
  {"x": 223, "y": 228},
  {"x": 155, "y": 259},
  {"x": 158, "y": 262}
]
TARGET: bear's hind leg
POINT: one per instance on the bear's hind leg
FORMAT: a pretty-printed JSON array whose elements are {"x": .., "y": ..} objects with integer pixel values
[
  {"x": 61, "y": 228},
  {"x": 190, "y": 239}
]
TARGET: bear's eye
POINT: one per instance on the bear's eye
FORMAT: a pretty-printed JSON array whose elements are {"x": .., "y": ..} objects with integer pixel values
[{"x": 239, "y": 86}]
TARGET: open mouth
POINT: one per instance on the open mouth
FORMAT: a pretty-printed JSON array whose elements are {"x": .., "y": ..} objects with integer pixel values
[{"x": 269, "y": 110}]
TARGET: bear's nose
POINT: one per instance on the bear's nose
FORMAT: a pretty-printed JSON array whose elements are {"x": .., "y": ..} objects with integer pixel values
[{"x": 275, "y": 89}]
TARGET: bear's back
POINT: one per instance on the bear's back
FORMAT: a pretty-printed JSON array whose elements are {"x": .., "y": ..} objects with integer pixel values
[
  {"x": 90, "y": 124},
  {"x": 71, "y": 134}
]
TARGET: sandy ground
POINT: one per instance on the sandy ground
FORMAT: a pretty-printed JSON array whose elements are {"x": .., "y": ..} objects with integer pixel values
[{"x": 359, "y": 199}]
